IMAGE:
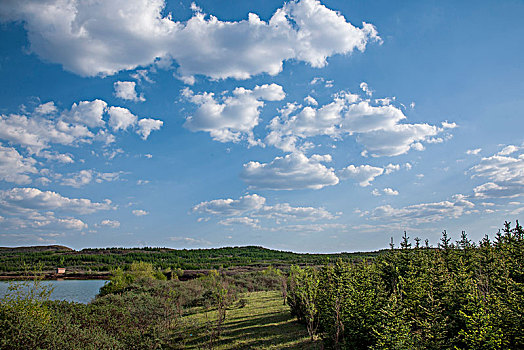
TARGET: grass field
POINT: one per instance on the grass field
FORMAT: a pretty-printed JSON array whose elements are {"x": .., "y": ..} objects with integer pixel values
[{"x": 263, "y": 323}]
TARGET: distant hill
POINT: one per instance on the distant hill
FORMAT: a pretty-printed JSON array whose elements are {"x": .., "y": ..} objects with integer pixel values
[
  {"x": 36, "y": 248},
  {"x": 88, "y": 261}
]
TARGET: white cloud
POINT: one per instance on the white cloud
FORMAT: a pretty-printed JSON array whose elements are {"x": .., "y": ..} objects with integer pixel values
[
  {"x": 508, "y": 150},
  {"x": 285, "y": 211},
  {"x": 394, "y": 167},
  {"x": 79, "y": 179},
  {"x": 250, "y": 209},
  {"x": 390, "y": 192},
  {"x": 110, "y": 223},
  {"x": 291, "y": 172},
  {"x": 146, "y": 125},
  {"x": 32, "y": 198},
  {"x": 59, "y": 157},
  {"x": 121, "y": 118},
  {"x": 505, "y": 174},
  {"x": 231, "y": 207},
  {"x": 140, "y": 212},
  {"x": 232, "y": 118},
  {"x": 86, "y": 176},
  {"x": 474, "y": 151},
  {"x": 363, "y": 174},
  {"x": 311, "y": 227},
  {"x": 126, "y": 90},
  {"x": 311, "y": 101},
  {"x": 447, "y": 125},
  {"x": 36, "y": 131},
  {"x": 102, "y": 38},
  {"x": 189, "y": 241},
  {"x": 377, "y": 128},
  {"x": 247, "y": 221},
  {"x": 424, "y": 212},
  {"x": 89, "y": 113},
  {"x": 499, "y": 190},
  {"x": 14, "y": 167},
  {"x": 46, "y": 108},
  {"x": 387, "y": 191},
  {"x": 364, "y": 86}
]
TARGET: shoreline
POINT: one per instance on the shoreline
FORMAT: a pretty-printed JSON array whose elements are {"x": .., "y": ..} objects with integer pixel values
[{"x": 57, "y": 277}]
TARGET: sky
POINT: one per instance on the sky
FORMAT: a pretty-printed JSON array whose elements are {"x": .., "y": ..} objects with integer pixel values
[{"x": 303, "y": 126}]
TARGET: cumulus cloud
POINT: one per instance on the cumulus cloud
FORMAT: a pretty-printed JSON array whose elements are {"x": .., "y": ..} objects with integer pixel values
[
  {"x": 231, "y": 118},
  {"x": 390, "y": 192},
  {"x": 291, "y": 172},
  {"x": 110, "y": 223},
  {"x": 474, "y": 151},
  {"x": 387, "y": 191},
  {"x": 147, "y": 125},
  {"x": 14, "y": 167},
  {"x": 86, "y": 176},
  {"x": 121, "y": 118},
  {"x": 363, "y": 174},
  {"x": 504, "y": 172},
  {"x": 247, "y": 221},
  {"x": 284, "y": 211},
  {"x": 89, "y": 113},
  {"x": 251, "y": 209},
  {"x": 311, "y": 101},
  {"x": 102, "y": 38},
  {"x": 364, "y": 86},
  {"x": 140, "y": 212},
  {"x": 231, "y": 207},
  {"x": 424, "y": 212},
  {"x": 33, "y": 198},
  {"x": 36, "y": 133},
  {"x": 82, "y": 123},
  {"x": 126, "y": 90},
  {"x": 508, "y": 150},
  {"x": 380, "y": 128}
]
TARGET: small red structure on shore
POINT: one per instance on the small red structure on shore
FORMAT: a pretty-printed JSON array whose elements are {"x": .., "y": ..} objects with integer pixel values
[{"x": 60, "y": 270}]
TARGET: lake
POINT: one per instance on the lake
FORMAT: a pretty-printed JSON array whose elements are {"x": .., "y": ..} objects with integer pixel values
[{"x": 80, "y": 291}]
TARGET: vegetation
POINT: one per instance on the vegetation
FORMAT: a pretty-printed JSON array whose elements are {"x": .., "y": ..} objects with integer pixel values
[
  {"x": 458, "y": 296},
  {"x": 13, "y": 260},
  {"x": 137, "y": 309}
]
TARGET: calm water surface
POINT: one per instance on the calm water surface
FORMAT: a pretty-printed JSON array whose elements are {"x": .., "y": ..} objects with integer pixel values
[{"x": 80, "y": 291}]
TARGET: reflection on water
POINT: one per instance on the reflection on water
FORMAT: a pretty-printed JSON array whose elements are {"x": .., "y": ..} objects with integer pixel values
[{"x": 80, "y": 291}]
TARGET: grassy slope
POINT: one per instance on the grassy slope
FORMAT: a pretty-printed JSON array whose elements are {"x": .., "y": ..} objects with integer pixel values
[{"x": 264, "y": 323}]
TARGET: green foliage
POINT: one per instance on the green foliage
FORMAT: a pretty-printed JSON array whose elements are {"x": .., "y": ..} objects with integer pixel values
[
  {"x": 24, "y": 318},
  {"x": 108, "y": 259},
  {"x": 459, "y": 296}
]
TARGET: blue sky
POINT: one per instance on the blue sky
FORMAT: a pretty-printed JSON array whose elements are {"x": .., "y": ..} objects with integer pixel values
[{"x": 306, "y": 126}]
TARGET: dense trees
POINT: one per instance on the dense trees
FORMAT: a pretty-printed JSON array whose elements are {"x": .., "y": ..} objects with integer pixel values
[
  {"x": 458, "y": 296},
  {"x": 13, "y": 260}
]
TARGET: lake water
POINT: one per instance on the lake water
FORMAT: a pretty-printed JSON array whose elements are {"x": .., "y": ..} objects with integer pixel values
[{"x": 80, "y": 291}]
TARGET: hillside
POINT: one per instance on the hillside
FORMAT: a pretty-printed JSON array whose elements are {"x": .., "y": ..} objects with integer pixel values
[{"x": 94, "y": 262}]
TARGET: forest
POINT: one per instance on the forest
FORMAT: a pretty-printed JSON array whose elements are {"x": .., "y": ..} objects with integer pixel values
[
  {"x": 16, "y": 260},
  {"x": 457, "y": 295}
]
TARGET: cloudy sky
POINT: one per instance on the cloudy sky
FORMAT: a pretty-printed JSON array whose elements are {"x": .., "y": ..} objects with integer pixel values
[{"x": 303, "y": 125}]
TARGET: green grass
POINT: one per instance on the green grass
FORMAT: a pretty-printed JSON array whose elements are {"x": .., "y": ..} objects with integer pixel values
[{"x": 263, "y": 323}]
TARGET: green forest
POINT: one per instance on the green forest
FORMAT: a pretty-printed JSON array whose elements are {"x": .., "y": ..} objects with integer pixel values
[
  {"x": 16, "y": 260},
  {"x": 457, "y": 295}
]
